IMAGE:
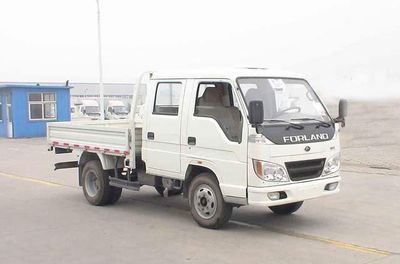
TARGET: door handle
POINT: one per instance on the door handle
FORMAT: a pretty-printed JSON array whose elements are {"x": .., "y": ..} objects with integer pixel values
[
  {"x": 191, "y": 140},
  {"x": 150, "y": 135}
]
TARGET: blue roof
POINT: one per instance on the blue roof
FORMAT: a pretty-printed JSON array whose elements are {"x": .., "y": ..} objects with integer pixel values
[{"x": 33, "y": 85}]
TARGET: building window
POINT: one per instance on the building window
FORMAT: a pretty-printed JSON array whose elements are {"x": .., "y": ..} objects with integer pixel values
[
  {"x": 167, "y": 98},
  {"x": 42, "y": 106}
]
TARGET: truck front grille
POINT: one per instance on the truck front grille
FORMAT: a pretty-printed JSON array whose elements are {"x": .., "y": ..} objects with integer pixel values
[{"x": 305, "y": 169}]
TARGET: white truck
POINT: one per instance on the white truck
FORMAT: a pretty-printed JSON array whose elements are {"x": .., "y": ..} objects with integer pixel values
[
  {"x": 89, "y": 109},
  {"x": 116, "y": 110},
  {"x": 223, "y": 138},
  {"x": 76, "y": 112}
]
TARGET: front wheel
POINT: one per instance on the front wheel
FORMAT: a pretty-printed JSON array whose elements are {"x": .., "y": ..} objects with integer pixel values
[
  {"x": 286, "y": 209},
  {"x": 207, "y": 204}
]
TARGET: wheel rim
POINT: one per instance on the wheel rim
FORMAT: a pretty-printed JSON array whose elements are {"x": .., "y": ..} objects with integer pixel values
[
  {"x": 92, "y": 184},
  {"x": 205, "y": 201}
]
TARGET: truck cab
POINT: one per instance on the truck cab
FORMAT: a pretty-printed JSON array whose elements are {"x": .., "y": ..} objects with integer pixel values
[
  {"x": 116, "y": 110},
  {"x": 90, "y": 109},
  {"x": 228, "y": 138}
]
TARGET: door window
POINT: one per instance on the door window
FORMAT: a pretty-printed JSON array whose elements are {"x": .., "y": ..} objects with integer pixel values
[
  {"x": 167, "y": 98},
  {"x": 215, "y": 100}
]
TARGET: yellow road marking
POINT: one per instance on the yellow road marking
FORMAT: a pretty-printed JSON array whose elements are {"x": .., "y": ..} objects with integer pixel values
[
  {"x": 333, "y": 242},
  {"x": 48, "y": 183},
  {"x": 340, "y": 244}
]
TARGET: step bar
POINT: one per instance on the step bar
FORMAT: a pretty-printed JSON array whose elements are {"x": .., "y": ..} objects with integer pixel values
[{"x": 131, "y": 185}]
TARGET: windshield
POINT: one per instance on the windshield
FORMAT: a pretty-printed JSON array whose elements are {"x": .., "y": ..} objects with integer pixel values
[
  {"x": 92, "y": 109},
  {"x": 284, "y": 99},
  {"x": 121, "y": 110}
]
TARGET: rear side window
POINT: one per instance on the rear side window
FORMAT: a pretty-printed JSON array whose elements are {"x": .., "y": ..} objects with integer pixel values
[{"x": 167, "y": 98}]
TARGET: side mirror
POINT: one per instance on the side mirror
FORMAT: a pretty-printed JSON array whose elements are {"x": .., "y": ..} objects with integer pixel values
[
  {"x": 256, "y": 113},
  {"x": 343, "y": 108},
  {"x": 342, "y": 112}
]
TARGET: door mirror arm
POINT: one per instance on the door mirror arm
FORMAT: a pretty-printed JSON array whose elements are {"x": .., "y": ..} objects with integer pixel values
[
  {"x": 259, "y": 129},
  {"x": 340, "y": 120}
]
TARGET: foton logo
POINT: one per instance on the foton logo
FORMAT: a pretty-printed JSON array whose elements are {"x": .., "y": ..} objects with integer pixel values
[{"x": 305, "y": 138}]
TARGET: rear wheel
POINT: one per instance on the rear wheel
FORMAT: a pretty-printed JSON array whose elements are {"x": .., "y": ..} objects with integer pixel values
[
  {"x": 115, "y": 194},
  {"x": 96, "y": 186},
  {"x": 286, "y": 209},
  {"x": 207, "y": 205}
]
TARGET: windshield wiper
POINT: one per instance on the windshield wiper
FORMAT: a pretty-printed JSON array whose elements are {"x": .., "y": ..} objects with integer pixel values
[
  {"x": 294, "y": 125},
  {"x": 321, "y": 123}
]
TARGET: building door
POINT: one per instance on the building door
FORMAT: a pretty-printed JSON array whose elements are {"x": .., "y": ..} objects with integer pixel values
[{"x": 9, "y": 117}]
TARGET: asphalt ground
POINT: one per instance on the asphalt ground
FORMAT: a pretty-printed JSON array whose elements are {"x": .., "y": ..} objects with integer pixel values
[{"x": 44, "y": 218}]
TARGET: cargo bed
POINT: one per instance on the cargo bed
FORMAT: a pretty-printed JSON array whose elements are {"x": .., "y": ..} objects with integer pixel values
[{"x": 109, "y": 137}]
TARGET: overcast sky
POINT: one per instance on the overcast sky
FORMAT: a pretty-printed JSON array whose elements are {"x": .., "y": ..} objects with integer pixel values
[{"x": 346, "y": 48}]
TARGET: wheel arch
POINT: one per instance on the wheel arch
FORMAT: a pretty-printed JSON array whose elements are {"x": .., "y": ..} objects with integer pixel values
[
  {"x": 108, "y": 162},
  {"x": 191, "y": 172}
]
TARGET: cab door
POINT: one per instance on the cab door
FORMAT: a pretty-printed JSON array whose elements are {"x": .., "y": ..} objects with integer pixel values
[
  {"x": 162, "y": 133},
  {"x": 216, "y": 137}
]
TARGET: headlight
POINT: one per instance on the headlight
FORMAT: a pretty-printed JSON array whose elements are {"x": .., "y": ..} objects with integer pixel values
[
  {"x": 269, "y": 171},
  {"x": 332, "y": 165}
]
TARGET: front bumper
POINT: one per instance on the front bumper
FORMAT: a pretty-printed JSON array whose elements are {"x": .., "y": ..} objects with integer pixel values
[{"x": 295, "y": 191}]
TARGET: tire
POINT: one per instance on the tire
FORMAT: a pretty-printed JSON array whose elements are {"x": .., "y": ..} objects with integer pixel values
[
  {"x": 115, "y": 194},
  {"x": 160, "y": 190},
  {"x": 206, "y": 202},
  {"x": 286, "y": 209},
  {"x": 96, "y": 186}
]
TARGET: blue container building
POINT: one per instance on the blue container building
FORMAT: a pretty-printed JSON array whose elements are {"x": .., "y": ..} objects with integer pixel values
[{"x": 26, "y": 108}]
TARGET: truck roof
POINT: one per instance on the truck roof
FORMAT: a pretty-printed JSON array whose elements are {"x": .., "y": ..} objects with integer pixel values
[
  {"x": 89, "y": 102},
  {"x": 115, "y": 103},
  {"x": 223, "y": 73}
]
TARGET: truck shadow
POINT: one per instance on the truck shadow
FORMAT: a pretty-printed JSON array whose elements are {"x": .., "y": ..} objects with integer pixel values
[{"x": 246, "y": 217}]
